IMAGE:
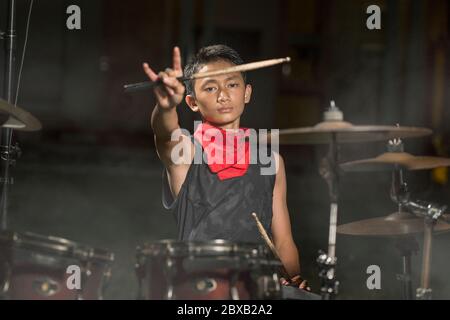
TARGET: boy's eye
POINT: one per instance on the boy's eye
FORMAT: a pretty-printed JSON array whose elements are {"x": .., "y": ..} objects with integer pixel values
[
  {"x": 233, "y": 85},
  {"x": 210, "y": 89}
]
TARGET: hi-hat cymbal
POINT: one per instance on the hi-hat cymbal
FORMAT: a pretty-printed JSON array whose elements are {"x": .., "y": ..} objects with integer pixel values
[
  {"x": 346, "y": 132},
  {"x": 389, "y": 160},
  {"x": 17, "y": 118},
  {"x": 396, "y": 224}
]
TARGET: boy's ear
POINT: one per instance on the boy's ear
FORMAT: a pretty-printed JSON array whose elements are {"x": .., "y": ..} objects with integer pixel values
[
  {"x": 191, "y": 102},
  {"x": 248, "y": 93}
]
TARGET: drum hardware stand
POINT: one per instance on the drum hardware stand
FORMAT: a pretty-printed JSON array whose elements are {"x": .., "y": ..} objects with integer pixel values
[
  {"x": 406, "y": 245},
  {"x": 330, "y": 286},
  {"x": 5, "y": 141},
  {"x": 425, "y": 292},
  {"x": 399, "y": 188},
  {"x": 329, "y": 171},
  {"x": 12, "y": 154},
  {"x": 431, "y": 213}
]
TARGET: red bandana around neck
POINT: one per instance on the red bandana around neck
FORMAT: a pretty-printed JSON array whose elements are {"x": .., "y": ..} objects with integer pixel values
[{"x": 227, "y": 151}]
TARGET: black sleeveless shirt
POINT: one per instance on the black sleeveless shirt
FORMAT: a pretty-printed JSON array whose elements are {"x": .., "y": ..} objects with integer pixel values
[{"x": 208, "y": 208}]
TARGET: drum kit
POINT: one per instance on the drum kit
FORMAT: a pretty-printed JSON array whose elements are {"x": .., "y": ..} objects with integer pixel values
[{"x": 36, "y": 266}]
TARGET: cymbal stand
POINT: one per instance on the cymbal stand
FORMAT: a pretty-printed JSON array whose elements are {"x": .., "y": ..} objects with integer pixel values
[
  {"x": 8, "y": 152},
  {"x": 329, "y": 170},
  {"x": 431, "y": 213},
  {"x": 406, "y": 245}
]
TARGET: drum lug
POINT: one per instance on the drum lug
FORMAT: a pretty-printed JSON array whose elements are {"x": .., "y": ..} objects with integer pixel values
[
  {"x": 170, "y": 276},
  {"x": 4, "y": 287},
  {"x": 234, "y": 292},
  {"x": 104, "y": 282},
  {"x": 86, "y": 272}
]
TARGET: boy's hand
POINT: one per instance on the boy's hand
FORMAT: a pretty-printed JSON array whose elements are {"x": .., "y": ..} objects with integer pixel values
[
  {"x": 296, "y": 281},
  {"x": 170, "y": 92}
]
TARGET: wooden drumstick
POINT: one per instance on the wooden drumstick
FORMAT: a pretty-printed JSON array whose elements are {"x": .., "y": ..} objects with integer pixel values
[
  {"x": 238, "y": 68},
  {"x": 270, "y": 244}
]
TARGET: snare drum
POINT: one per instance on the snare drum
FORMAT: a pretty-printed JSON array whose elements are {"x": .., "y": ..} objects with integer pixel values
[
  {"x": 206, "y": 270},
  {"x": 39, "y": 267}
]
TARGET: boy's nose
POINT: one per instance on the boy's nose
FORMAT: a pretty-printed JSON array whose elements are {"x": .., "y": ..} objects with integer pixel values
[{"x": 223, "y": 96}]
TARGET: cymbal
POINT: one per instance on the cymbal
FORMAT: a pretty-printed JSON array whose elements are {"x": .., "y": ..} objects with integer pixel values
[
  {"x": 17, "y": 118},
  {"x": 389, "y": 160},
  {"x": 346, "y": 132},
  {"x": 396, "y": 224}
]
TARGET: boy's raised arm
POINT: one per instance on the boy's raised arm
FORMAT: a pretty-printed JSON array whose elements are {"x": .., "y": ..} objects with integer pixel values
[{"x": 169, "y": 94}]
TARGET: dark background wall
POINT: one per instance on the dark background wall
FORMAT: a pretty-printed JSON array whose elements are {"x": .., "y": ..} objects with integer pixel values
[{"x": 92, "y": 174}]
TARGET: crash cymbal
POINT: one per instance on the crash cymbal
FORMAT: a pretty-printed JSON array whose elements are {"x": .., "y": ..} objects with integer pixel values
[
  {"x": 17, "y": 118},
  {"x": 389, "y": 160},
  {"x": 346, "y": 132},
  {"x": 396, "y": 224}
]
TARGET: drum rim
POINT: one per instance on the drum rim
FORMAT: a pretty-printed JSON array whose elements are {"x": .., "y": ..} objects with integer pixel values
[
  {"x": 54, "y": 244},
  {"x": 175, "y": 248}
]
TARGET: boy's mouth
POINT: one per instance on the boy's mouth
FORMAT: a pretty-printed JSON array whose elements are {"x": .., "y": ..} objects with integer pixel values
[{"x": 225, "y": 109}]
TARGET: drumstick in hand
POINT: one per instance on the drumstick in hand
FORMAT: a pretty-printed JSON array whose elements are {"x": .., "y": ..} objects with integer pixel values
[
  {"x": 270, "y": 244},
  {"x": 239, "y": 68}
]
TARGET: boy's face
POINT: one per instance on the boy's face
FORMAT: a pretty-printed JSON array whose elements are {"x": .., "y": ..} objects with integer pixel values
[{"x": 220, "y": 99}]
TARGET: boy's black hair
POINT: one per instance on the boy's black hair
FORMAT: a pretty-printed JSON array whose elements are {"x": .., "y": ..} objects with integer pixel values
[{"x": 206, "y": 55}]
